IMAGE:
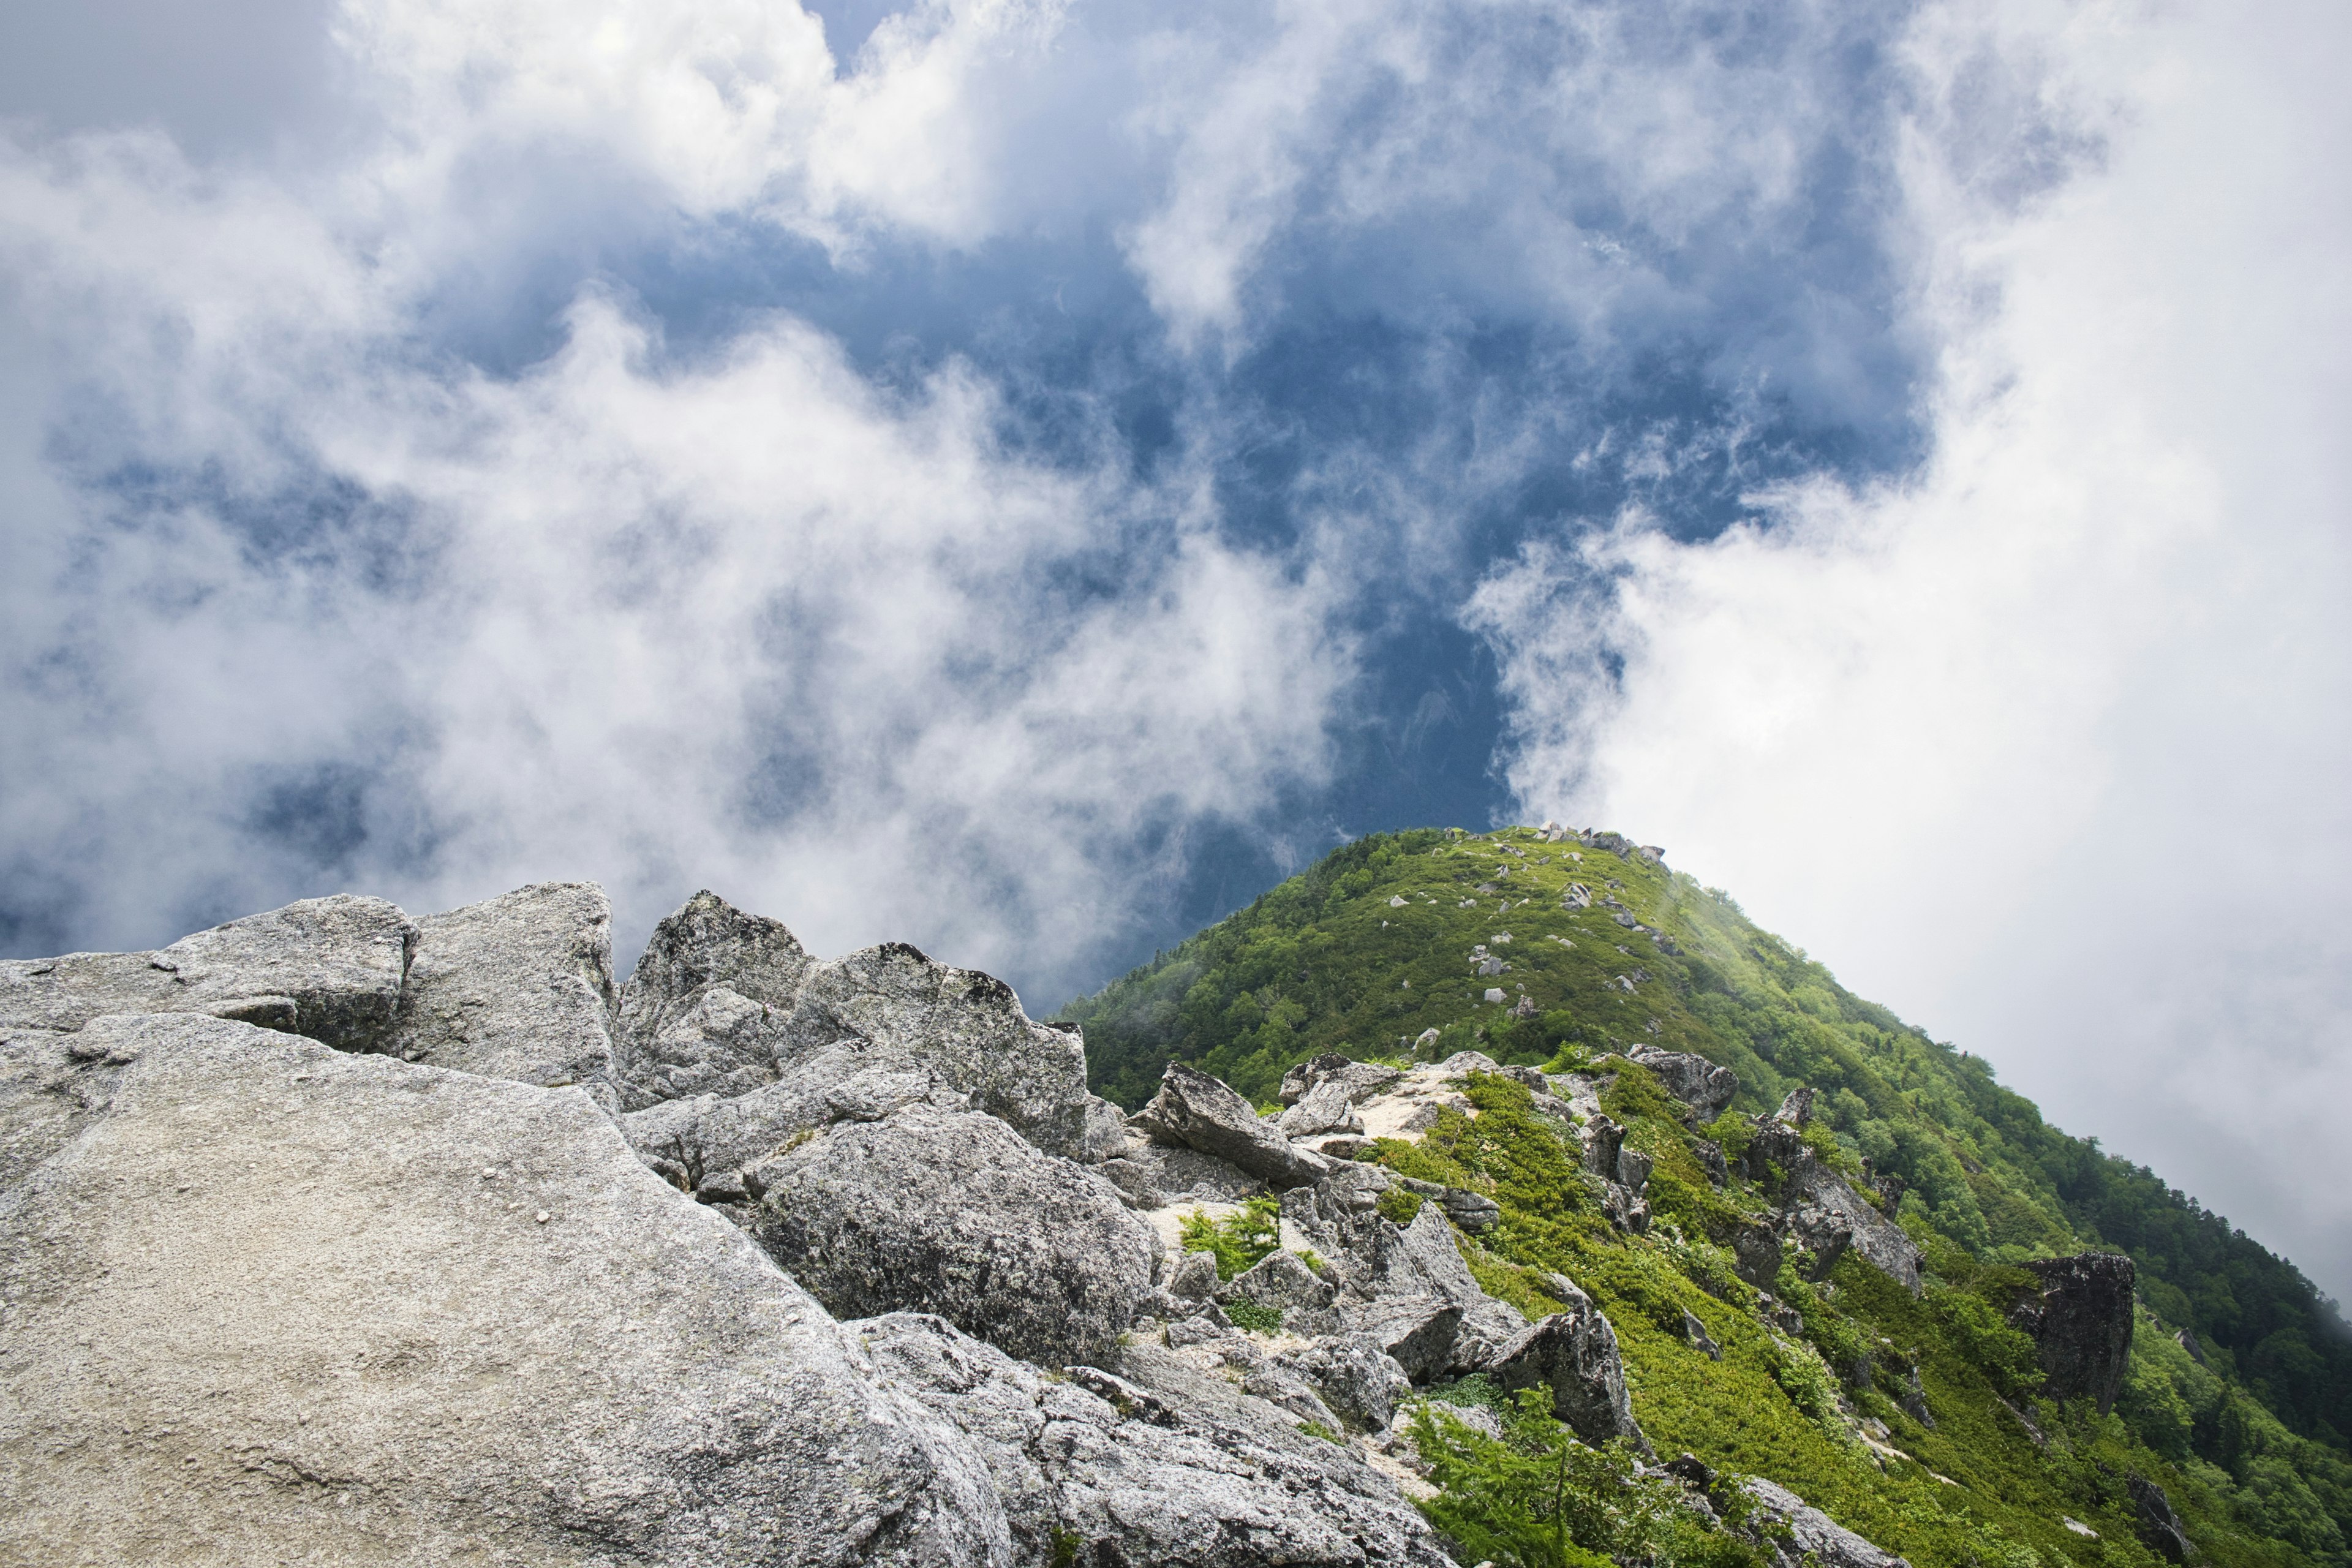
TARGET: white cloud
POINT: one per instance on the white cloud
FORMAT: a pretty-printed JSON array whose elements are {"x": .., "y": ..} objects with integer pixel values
[{"x": 2044, "y": 747}]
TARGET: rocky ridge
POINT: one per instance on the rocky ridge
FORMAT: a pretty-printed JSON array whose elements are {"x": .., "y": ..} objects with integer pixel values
[{"x": 335, "y": 1235}]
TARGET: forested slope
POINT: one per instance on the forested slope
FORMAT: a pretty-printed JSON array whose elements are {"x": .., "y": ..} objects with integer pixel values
[{"x": 1540, "y": 951}]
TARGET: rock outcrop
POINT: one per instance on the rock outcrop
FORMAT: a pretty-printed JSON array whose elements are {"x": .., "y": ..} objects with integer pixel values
[
  {"x": 1153, "y": 1462},
  {"x": 518, "y": 986},
  {"x": 270, "y": 1301},
  {"x": 494, "y": 1274},
  {"x": 1820, "y": 1210},
  {"x": 1198, "y": 1112},
  {"x": 1812, "y": 1538},
  {"x": 1573, "y": 1354},
  {"x": 331, "y": 968},
  {"x": 951, "y": 1213},
  {"x": 2081, "y": 1319},
  {"x": 1703, "y": 1087}
]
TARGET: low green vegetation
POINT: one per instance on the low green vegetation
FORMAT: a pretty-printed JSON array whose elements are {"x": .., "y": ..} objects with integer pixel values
[
  {"x": 1239, "y": 1240},
  {"x": 1919, "y": 1422}
]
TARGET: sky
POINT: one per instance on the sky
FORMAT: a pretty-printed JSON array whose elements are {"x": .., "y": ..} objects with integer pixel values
[{"x": 1025, "y": 476}]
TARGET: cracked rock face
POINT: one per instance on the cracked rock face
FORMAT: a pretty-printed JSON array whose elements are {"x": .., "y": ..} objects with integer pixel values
[
  {"x": 1153, "y": 1463},
  {"x": 329, "y": 968},
  {"x": 2081, "y": 1319},
  {"x": 270, "y": 1301},
  {"x": 1200, "y": 1113},
  {"x": 518, "y": 986},
  {"x": 950, "y": 1212}
]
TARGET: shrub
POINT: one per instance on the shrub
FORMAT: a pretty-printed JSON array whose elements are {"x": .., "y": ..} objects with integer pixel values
[{"x": 1238, "y": 1240}]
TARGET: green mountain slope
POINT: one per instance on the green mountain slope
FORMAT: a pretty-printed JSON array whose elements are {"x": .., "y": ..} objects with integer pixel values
[{"x": 2240, "y": 1384}]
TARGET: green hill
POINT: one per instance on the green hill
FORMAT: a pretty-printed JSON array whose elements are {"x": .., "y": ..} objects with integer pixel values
[{"x": 2239, "y": 1389}]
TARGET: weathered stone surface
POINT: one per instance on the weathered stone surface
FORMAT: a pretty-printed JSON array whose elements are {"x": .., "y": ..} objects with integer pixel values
[
  {"x": 951, "y": 1213},
  {"x": 1813, "y": 1536},
  {"x": 2082, "y": 1321},
  {"x": 1283, "y": 1282},
  {"x": 970, "y": 1028},
  {"x": 2159, "y": 1526},
  {"x": 1326, "y": 1107},
  {"x": 1197, "y": 1110},
  {"x": 1574, "y": 1354},
  {"x": 1826, "y": 1215},
  {"x": 334, "y": 1327},
  {"x": 1417, "y": 1332},
  {"x": 1426, "y": 1261},
  {"x": 1152, "y": 1465},
  {"x": 705, "y": 944},
  {"x": 518, "y": 986},
  {"x": 1187, "y": 1173},
  {"x": 327, "y": 968},
  {"x": 1194, "y": 1278},
  {"x": 1697, "y": 1082},
  {"x": 851, "y": 1080},
  {"x": 1695, "y": 1332},
  {"x": 1360, "y": 1080},
  {"x": 1356, "y": 1376}
]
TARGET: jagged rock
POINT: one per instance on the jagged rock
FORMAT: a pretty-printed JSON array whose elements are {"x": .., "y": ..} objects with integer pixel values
[
  {"x": 1134, "y": 1180},
  {"x": 1813, "y": 1536},
  {"x": 970, "y": 1028},
  {"x": 1471, "y": 1211},
  {"x": 2158, "y": 1525},
  {"x": 1912, "y": 1398},
  {"x": 1820, "y": 1210},
  {"x": 518, "y": 986},
  {"x": 1634, "y": 1168},
  {"x": 1423, "y": 1261},
  {"x": 1574, "y": 1354},
  {"x": 1187, "y": 1173},
  {"x": 1709, "y": 1154},
  {"x": 1173, "y": 1468},
  {"x": 365, "y": 1310},
  {"x": 1326, "y": 1107},
  {"x": 1194, "y": 1278},
  {"x": 1796, "y": 1109},
  {"x": 2187, "y": 1341},
  {"x": 1756, "y": 1256},
  {"x": 1622, "y": 1209},
  {"x": 1695, "y": 1332},
  {"x": 1827, "y": 1217},
  {"x": 1697, "y": 1082},
  {"x": 327, "y": 968},
  {"x": 1361, "y": 1079},
  {"x": 2082, "y": 1321},
  {"x": 1356, "y": 1377},
  {"x": 1418, "y": 1332},
  {"x": 852, "y": 1081},
  {"x": 708, "y": 943},
  {"x": 1604, "y": 1139},
  {"x": 950, "y": 1212},
  {"x": 1280, "y": 1280},
  {"x": 1195, "y": 1110}
]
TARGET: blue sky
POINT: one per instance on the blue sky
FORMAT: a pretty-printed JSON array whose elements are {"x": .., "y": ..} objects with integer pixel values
[{"x": 1021, "y": 477}]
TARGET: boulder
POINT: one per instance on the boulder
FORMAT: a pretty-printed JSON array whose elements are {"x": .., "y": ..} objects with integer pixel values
[
  {"x": 2081, "y": 1319},
  {"x": 1812, "y": 1537},
  {"x": 518, "y": 986},
  {"x": 327, "y": 968},
  {"x": 366, "y": 1310},
  {"x": 1417, "y": 1332},
  {"x": 1356, "y": 1377},
  {"x": 1152, "y": 1464},
  {"x": 1425, "y": 1261},
  {"x": 970, "y": 1028},
  {"x": 1326, "y": 1107},
  {"x": 1187, "y": 1173},
  {"x": 1574, "y": 1354},
  {"x": 1197, "y": 1110},
  {"x": 1697, "y": 1082},
  {"x": 2158, "y": 1525},
  {"x": 1194, "y": 1278},
  {"x": 1282, "y": 1281},
  {"x": 852, "y": 1081},
  {"x": 708, "y": 943},
  {"x": 1826, "y": 1215},
  {"x": 950, "y": 1212}
]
